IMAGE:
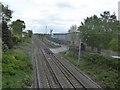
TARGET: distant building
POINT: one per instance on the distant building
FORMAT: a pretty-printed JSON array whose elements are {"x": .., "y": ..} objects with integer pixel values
[
  {"x": 119, "y": 10},
  {"x": 71, "y": 37},
  {"x": 60, "y": 36}
]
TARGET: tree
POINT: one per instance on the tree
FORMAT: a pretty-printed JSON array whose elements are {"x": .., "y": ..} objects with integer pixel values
[
  {"x": 110, "y": 27},
  {"x": 30, "y": 33},
  {"x": 98, "y": 32},
  {"x": 90, "y": 30},
  {"x": 6, "y": 12},
  {"x": 6, "y": 34},
  {"x": 72, "y": 33},
  {"x": 17, "y": 27}
]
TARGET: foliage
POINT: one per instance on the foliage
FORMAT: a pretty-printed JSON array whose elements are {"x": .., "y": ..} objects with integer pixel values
[
  {"x": 102, "y": 70},
  {"x": 99, "y": 32},
  {"x": 17, "y": 27},
  {"x": 26, "y": 81},
  {"x": 72, "y": 33},
  {"x": 14, "y": 62},
  {"x": 73, "y": 51},
  {"x": 7, "y": 13},
  {"x": 9, "y": 37},
  {"x": 16, "y": 39},
  {"x": 6, "y": 35},
  {"x": 113, "y": 45},
  {"x": 101, "y": 60},
  {"x": 30, "y": 33}
]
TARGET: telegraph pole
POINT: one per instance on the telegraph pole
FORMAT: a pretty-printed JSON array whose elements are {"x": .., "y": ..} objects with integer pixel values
[
  {"x": 51, "y": 32},
  {"x": 79, "y": 53},
  {"x": 46, "y": 29}
]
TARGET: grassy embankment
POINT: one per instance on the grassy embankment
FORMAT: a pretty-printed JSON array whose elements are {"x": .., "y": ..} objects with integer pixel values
[
  {"x": 103, "y": 70},
  {"x": 17, "y": 66},
  {"x": 0, "y": 63}
]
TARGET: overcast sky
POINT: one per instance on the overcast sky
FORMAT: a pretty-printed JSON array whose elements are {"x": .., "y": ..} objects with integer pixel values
[{"x": 58, "y": 15}]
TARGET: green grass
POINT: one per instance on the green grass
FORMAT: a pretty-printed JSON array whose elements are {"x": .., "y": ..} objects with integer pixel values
[
  {"x": 17, "y": 66},
  {"x": 102, "y": 73},
  {"x": 0, "y": 63}
]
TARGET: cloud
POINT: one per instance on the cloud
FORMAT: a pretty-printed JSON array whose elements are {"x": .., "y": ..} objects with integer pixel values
[
  {"x": 58, "y": 15},
  {"x": 64, "y": 5}
]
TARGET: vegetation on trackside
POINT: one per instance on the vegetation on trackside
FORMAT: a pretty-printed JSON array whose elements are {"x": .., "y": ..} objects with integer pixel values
[
  {"x": 101, "y": 32},
  {"x": 103, "y": 70},
  {"x": 16, "y": 51},
  {"x": 17, "y": 66},
  {"x": 0, "y": 63}
]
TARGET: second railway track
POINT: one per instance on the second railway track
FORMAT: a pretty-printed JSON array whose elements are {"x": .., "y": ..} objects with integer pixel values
[{"x": 54, "y": 72}]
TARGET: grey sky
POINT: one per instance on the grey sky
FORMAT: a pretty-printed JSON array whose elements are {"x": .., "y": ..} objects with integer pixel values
[{"x": 58, "y": 15}]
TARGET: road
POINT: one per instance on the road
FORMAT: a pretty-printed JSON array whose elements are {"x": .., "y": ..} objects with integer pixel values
[{"x": 52, "y": 71}]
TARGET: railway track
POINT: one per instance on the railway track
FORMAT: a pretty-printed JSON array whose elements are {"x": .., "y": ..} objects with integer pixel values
[{"x": 54, "y": 72}]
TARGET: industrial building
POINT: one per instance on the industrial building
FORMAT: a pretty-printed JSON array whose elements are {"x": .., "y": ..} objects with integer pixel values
[{"x": 60, "y": 36}]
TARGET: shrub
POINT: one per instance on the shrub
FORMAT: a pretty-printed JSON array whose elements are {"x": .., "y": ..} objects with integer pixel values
[
  {"x": 15, "y": 61},
  {"x": 8, "y": 69},
  {"x": 16, "y": 39},
  {"x": 99, "y": 59},
  {"x": 26, "y": 81}
]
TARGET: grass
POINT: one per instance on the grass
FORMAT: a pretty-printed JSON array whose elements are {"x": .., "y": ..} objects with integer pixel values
[
  {"x": 0, "y": 62},
  {"x": 105, "y": 76},
  {"x": 17, "y": 66}
]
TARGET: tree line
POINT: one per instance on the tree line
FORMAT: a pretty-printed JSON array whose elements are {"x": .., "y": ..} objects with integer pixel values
[
  {"x": 100, "y": 32},
  {"x": 11, "y": 30}
]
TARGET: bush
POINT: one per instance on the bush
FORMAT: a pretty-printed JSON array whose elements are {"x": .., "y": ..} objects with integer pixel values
[
  {"x": 73, "y": 51},
  {"x": 8, "y": 69},
  {"x": 8, "y": 57},
  {"x": 4, "y": 47},
  {"x": 26, "y": 81},
  {"x": 16, "y": 39},
  {"x": 99, "y": 59},
  {"x": 14, "y": 61},
  {"x": 113, "y": 45}
]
